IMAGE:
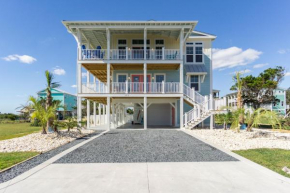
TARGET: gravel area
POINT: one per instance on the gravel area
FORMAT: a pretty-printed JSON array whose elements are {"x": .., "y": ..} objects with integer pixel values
[
  {"x": 232, "y": 140},
  {"x": 39, "y": 142},
  {"x": 126, "y": 146},
  {"x": 25, "y": 166}
]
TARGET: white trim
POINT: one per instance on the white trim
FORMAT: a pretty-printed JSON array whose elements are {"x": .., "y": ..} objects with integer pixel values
[
  {"x": 199, "y": 81},
  {"x": 194, "y": 54},
  {"x": 164, "y": 74},
  {"x": 117, "y": 74}
]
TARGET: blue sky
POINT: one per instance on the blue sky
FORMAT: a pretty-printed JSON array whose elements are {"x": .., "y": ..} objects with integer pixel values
[{"x": 33, "y": 39}]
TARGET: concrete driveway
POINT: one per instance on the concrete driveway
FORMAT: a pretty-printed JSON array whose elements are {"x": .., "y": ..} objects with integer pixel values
[{"x": 147, "y": 161}]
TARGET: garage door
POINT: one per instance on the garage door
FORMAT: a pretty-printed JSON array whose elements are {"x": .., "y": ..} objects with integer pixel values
[{"x": 159, "y": 114}]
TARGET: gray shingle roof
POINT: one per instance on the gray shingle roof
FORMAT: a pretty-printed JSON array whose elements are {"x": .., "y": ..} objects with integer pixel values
[{"x": 195, "y": 68}]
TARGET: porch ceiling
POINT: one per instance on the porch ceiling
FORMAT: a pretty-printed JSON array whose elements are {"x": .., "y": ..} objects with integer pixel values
[
  {"x": 102, "y": 100},
  {"x": 100, "y": 70},
  {"x": 94, "y": 32}
]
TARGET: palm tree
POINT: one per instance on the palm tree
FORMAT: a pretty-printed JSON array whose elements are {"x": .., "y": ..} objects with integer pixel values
[
  {"x": 41, "y": 113},
  {"x": 262, "y": 116},
  {"x": 49, "y": 85}
]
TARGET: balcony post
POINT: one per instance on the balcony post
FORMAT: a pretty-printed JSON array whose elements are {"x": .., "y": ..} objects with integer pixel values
[
  {"x": 79, "y": 44},
  {"x": 108, "y": 43},
  {"x": 163, "y": 87},
  {"x": 99, "y": 113},
  {"x": 88, "y": 114},
  {"x": 79, "y": 109},
  {"x": 126, "y": 53},
  {"x": 145, "y": 78},
  {"x": 181, "y": 40},
  {"x": 79, "y": 77},
  {"x": 145, "y": 43},
  {"x": 163, "y": 53},
  {"x": 99, "y": 86},
  {"x": 108, "y": 77},
  {"x": 210, "y": 102},
  {"x": 181, "y": 76},
  {"x": 95, "y": 84},
  {"x": 181, "y": 113},
  {"x": 185, "y": 119},
  {"x": 175, "y": 113},
  {"x": 95, "y": 116},
  {"x": 126, "y": 86},
  {"x": 108, "y": 112},
  {"x": 145, "y": 112}
]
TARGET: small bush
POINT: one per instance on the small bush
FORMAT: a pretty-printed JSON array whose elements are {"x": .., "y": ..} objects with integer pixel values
[{"x": 36, "y": 123}]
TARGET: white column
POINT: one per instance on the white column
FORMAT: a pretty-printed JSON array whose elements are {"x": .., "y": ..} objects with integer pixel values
[
  {"x": 79, "y": 109},
  {"x": 175, "y": 112},
  {"x": 99, "y": 113},
  {"x": 103, "y": 114},
  {"x": 145, "y": 77},
  {"x": 108, "y": 43},
  {"x": 95, "y": 84},
  {"x": 181, "y": 43},
  {"x": 108, "y": 112},
  {"x": 113, "y": 115},
  {"x": 181, "y": 112},
  {"x": 95, "y": 116},
  {"x": 79, "y": 36},
  {"x": 88, "y": 113},
  {"x": 181, "y": 76},
  {"x": 79, "y": 77},
  {"x": 145, "y": 113},
  {"x": 145, "y": 43},
  {"x": 210, "y": 102},
  {"x": 108, "y": 77}
]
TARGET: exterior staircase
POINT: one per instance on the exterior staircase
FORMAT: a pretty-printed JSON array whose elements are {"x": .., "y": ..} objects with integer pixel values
[{"x": 202, "y": 107}]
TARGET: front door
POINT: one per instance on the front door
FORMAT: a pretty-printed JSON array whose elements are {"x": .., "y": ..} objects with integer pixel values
[{"x": 137, "y": 83}]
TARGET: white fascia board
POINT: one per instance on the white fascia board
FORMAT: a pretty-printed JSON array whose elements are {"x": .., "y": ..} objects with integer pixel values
[{"x": 130, "y": 61}]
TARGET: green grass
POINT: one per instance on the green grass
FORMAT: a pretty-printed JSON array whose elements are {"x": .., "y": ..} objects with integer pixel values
[
  {"x": 8, "y": 131},
  {"x": 9, "y": 159},
  {"x": 274, "y": 159}
]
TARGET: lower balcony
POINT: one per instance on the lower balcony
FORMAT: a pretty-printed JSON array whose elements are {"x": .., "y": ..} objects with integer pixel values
[{"x": 133, "y": 87}]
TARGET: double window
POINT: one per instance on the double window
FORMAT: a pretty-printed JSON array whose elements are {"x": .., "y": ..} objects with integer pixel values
[
  {"x": 122, "y": 77},
  {"x": 140, "y": 42},
  {"x": 194, "y": 82},
  {"x": 159, "y": 77},
  {"x": 194, "y": 52}
]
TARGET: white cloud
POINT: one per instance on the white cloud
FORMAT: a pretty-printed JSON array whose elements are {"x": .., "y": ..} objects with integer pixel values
[
  {"x": 283, "y": 51},
  {"x": 287, "y": 74},
  {"x": 74, "y": 86},
  {"x": 58, "y": 71},
  {"x": 233, "y": 56},
  {"x": 24, "y": 58},
  {"x": 84, "y": 74},
  {"x": 243, "y": 71},
  {"x": 260, "y": 65}
]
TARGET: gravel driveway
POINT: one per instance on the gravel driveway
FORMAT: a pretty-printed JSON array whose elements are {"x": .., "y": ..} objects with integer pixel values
[{"x": 128, "y": 146}]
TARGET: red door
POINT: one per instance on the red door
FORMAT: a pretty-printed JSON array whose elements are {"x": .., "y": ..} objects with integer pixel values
[{"x": 137, "y": 83}]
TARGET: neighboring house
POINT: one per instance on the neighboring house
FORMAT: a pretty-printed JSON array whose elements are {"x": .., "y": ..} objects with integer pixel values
[
  {"x": 230, "y": 100},
  {"x": 67, "y": 101},
  {"x": 117, "y": 56}
]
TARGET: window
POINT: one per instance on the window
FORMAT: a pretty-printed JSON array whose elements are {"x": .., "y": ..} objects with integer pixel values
[
  {"x": 159, "y": 77},
  {"x": 282, "y": 103},
  {"x": 194, "y": 52},
  {"x": 159, "y": 42},
  {"x": 139, "y": 42},
  {"x": 122, "y": 78},
  {"x": 122, "y": 42},
  {"x": 189, "y": 54},
  {"x": 194, "y": 82}
]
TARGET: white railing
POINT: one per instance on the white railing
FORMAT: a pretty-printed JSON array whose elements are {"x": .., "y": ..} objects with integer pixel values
[
  {"x": 220, "y": 103},
  {"x": 94, "y": 54},
  {"x": 151, "y": 87},
  {"x": 192, "y": 94},
  {"x": 131, "y": 54},
  {"x": 94, "y": 87}
]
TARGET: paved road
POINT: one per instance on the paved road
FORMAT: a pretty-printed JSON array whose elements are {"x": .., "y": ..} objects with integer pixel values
[{"x": 75, "y": 171}]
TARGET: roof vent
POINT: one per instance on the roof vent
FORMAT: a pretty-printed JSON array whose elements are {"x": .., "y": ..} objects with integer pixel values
[{"x": 151, "y": 20}]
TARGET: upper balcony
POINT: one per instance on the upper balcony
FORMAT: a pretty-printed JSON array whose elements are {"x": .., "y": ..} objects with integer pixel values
[
  {"x": 131, "y": 41},
  {"x": 130, "y": 54}
]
